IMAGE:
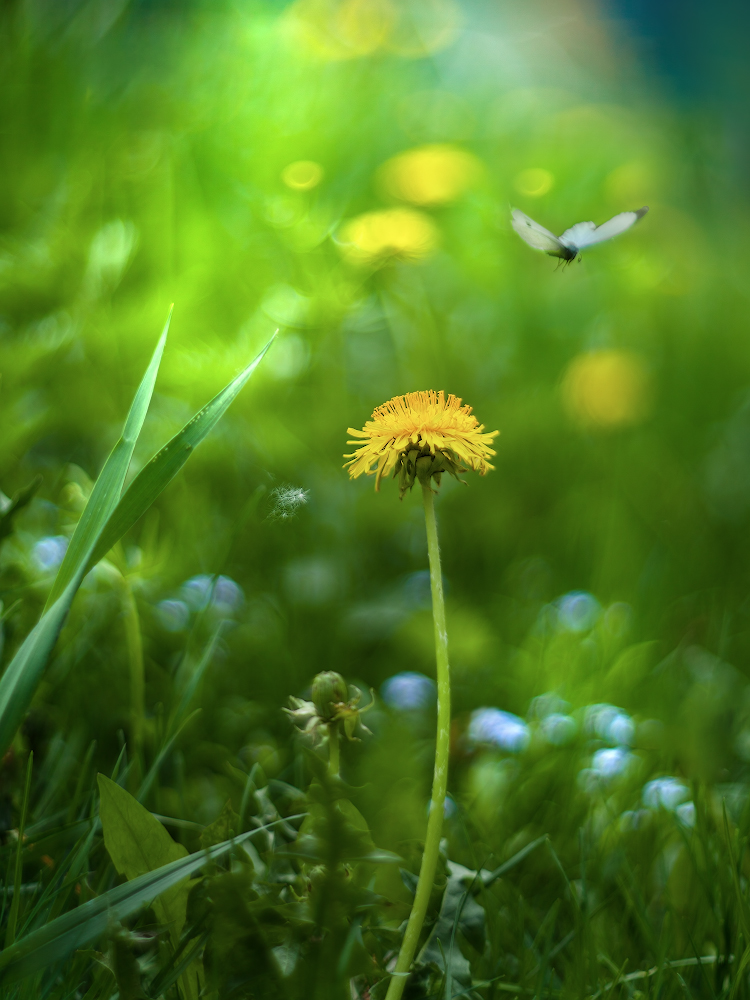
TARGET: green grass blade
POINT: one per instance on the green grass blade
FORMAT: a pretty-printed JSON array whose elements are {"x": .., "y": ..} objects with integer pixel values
[
  {"x": 83, "y": 925},
  {"x": 165, "y": 465},
  {"x": 19, "y": 682},
  {"x": 108, "y": 487}
]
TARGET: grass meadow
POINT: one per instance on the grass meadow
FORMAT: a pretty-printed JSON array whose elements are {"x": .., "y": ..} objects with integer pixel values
[{"x": 229, "y": 231}]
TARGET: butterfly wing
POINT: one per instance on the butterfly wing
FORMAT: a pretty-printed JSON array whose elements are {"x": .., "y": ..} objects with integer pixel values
[
  {"x": 578, "y": 235},
  {"x": 537, "y": 236},
  {"x": 597, "y": 234}
]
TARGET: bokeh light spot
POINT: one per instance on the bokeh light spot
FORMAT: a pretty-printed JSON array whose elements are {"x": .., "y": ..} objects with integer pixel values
[
  {"x": 423, "y": 27},
  {"x": 341, "y": 29},
  {"x": 607, "y": 389},
  {"x": 302, "y": 175},
  {"x": 408, "y": 691},
  {"x": 391, "y": 233},
  {"x": 630, "y": 185},
  {"x": 534, "y": 182},
  {"x": 432, "y": 175},
  {"x": 496, "y": 728}
]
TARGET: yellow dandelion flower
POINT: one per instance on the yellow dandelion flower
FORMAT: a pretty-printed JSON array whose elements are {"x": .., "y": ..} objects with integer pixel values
[{"x": 420, "y": 435}]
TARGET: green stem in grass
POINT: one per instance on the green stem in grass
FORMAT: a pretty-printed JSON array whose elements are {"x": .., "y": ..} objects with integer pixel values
[
  {"x": 134, "y": 646},
  {"x": 442, "y": 748},
  {"x": 333, "y": 749},
  {"x": 10, "y": 933}
]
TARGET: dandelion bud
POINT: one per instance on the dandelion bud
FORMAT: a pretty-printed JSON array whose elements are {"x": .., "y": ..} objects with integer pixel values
[{"x": 329, "y": 692}]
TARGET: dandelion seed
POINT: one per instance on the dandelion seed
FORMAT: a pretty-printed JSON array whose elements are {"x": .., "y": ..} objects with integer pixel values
[{"x": 286, "y": 501}]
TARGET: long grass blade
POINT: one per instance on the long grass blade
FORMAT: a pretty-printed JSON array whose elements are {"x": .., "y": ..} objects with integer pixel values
[
  {"x": 108, "y": 487},
  {"x": 10, "y": 931},
  {"x": 82, "y": 926},
  {"x": 165, "y": 465},
  {"x": 102, "y": 524},
  {"x": 19, "y": 682}
]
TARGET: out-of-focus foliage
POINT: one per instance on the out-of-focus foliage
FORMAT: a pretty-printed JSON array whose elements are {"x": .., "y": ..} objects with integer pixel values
[{"x": 342, "y": 170}]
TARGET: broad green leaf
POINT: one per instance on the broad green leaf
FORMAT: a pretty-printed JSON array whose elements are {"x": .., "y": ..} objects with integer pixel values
[
  {"x": 83, "y": 925},
  {"x": 137, "y": 843},
  {"x": 165, "y": 464},
  {"x": 108, "y": 487}
]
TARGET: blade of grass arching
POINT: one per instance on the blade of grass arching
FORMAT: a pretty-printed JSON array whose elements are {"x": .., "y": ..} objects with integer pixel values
[
  {"x": 165, "y": 465},
  {"x": 108, "y": 487},
  {"x": 10, "y": 932},
  {"x": 512, "y": 862},
  {"x": 80, "y": 927},
  {"x": 57, "y": 892},
  {"x": 19, "y": 682}
]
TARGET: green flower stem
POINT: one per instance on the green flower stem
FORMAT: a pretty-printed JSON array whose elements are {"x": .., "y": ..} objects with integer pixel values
[
  {"x": 134, "y": 646},
  {"x": 442, "y": 748},
  {"x": 333, "y": 749}
]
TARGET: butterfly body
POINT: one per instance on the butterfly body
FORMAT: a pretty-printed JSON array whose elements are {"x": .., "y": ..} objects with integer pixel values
[{"x": 573, "y": 240}]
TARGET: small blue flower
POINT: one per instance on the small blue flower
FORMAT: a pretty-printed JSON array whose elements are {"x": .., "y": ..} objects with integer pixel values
[
  {"x": 173, "y": 615},
  {"x": 578, "y": 611},
  {"x": 611, "y": 762},
  {"x": 493, "y": 727},
  {"x": 408, "y": 691},
  {"x": 224, "y": 594},
  {"x": 665, "y": 793},
  {"x": 49, "y": 552}
]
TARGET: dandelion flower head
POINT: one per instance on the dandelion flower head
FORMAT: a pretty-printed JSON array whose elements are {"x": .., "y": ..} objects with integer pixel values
[{"x": 420, "y": 435}]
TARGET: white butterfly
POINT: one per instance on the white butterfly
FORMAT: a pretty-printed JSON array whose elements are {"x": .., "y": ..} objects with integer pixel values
[{"x": 575, "y": 239}]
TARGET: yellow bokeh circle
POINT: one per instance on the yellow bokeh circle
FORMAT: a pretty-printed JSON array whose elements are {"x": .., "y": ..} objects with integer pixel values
[
  {"x": 431, "y": 175},
  {"x": 340, "y": 29},
  {"x": 350, "y": 29},
  {"x": 534, "y": 182},
  {"x": 302, "y": 175},
  {"x": 607, "y": 389},
  {"x": 399, "y": 233}
]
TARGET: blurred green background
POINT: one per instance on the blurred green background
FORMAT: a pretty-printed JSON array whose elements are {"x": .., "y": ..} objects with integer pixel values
[{"x": 226, "y": 157}]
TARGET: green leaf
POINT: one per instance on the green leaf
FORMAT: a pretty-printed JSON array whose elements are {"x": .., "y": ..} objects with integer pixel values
[
  {"x": 108, "y": 487},
  {"x": 165, "y": 465},
  {"x": 83, "y": 925},
  {"x": 137, "y": 843}
]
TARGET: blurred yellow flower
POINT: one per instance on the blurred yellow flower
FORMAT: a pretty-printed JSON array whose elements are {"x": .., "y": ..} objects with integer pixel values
[
  {"x": 607, "y": 388},
  {"x": 432, "y": 175},
  {"x": 350, "y": 29},
  {"x": 534, "y": 182},
  {"x": 390, "y": 233},
  {"x": 302, "y": 175},
  {"x": 341, "y": 29},
  {"x": 421, "y": 434}
]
